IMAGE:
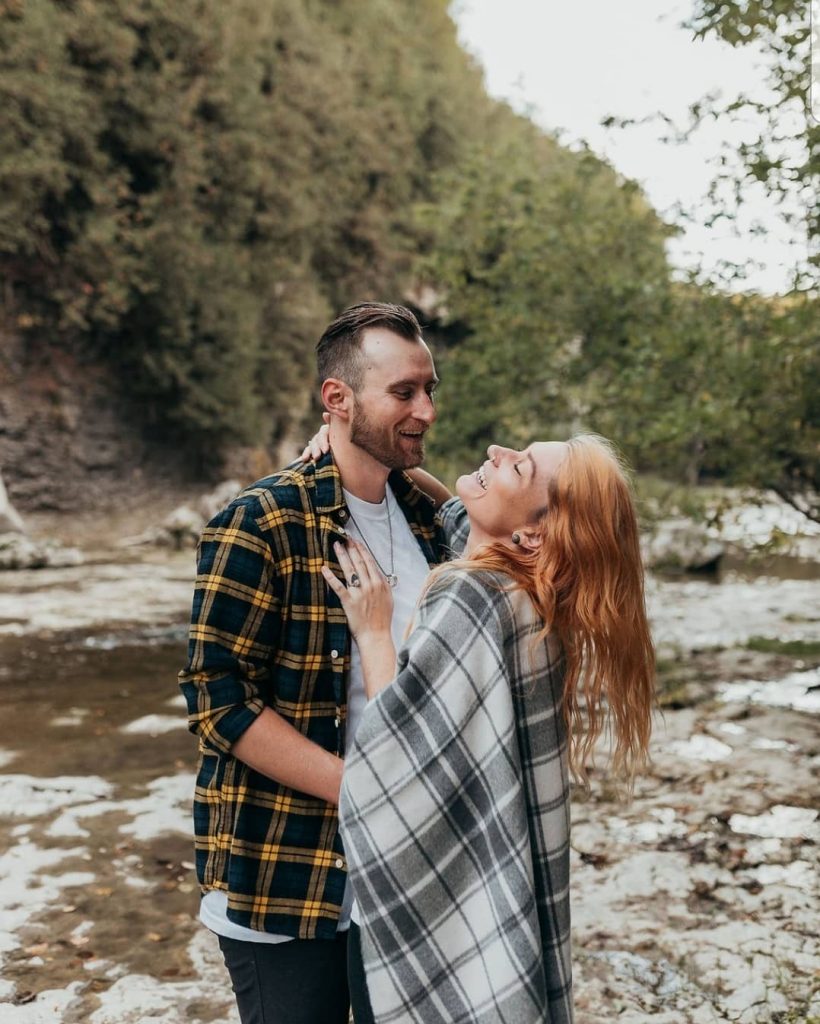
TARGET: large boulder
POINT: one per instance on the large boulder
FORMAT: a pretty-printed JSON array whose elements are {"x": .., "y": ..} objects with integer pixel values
[{"x": 681, "y": 545}]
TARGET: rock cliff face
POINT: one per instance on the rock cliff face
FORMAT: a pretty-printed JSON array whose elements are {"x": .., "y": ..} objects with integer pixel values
[
  {"x": 64, "y": 443},
  {"x": 69, "y": 445}
]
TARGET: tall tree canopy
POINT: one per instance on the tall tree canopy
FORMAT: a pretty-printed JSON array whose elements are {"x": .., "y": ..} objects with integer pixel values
[
  {"x": 189, "y": 191},
  {"x": 784, "y": 153}
]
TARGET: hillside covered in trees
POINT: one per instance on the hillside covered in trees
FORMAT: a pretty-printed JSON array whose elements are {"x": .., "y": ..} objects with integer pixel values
[{"x": 189, "y": 192}]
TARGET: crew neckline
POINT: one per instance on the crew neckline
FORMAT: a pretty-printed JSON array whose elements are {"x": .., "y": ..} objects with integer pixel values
[{"x": 369, "y": 509}]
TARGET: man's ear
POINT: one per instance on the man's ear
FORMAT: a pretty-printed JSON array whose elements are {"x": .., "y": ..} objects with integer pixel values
[
  {"x": 337, "y": 398},
  {"x": 530, "y": 539}
]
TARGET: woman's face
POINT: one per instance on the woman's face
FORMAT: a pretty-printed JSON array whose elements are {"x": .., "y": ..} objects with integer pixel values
[{"x": 508, "y": 492}]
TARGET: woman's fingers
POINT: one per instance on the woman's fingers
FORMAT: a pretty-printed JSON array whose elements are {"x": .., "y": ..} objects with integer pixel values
[
  {"x": 355, "y": 558},
  {"x": 345, "y": 560},
  {"x": 335, "y": 584},
  {"x": 319, "y": 444},
  {"x": 363, "y": 563}
]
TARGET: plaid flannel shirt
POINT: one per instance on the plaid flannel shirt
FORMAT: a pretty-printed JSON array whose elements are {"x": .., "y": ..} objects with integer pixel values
[
  {"x": 455, "y": 816},
  {"x": 266, "y": 631}
]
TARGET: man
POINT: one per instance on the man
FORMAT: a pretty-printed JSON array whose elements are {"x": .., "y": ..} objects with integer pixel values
[{"x": 274, "y": 684}]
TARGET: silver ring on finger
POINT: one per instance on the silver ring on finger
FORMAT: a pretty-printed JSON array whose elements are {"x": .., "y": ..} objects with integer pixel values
[{"x": 354, "y": 580}]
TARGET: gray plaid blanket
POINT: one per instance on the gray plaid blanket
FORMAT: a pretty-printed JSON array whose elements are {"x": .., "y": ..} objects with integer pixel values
[{"x": 455, "y": 818}]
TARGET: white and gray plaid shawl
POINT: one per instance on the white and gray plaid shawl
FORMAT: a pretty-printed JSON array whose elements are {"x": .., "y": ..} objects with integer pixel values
[{"x": 455, "y": 817}]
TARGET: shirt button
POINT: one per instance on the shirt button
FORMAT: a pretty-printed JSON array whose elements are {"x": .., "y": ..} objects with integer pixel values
[
  {"x": 339, "y": 862},
  {"x": 342, "y": 514},
  {"x": 338, "y": 722},
  {"x": 334, "y": 653}
]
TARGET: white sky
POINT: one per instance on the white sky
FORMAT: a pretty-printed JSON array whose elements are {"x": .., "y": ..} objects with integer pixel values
[{"x": 571, "y": 64}]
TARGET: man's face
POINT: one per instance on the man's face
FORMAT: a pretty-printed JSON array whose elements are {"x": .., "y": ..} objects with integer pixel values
[{"x": 394, "y": 405}]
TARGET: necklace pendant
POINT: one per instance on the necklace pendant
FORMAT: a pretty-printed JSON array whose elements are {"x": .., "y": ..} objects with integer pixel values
[{"x": 392, "y": 579}]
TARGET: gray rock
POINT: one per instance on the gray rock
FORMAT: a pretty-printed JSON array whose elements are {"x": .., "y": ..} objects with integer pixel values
[
  {"x": 20, "y": 552},
  {"x": 182, "y": 527},
  {"x": 217, "y": 499},
  {"x": 681, "y": 544}
]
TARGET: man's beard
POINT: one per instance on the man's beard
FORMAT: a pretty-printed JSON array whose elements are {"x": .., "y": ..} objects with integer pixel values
[{"x": 381, "y": 445}]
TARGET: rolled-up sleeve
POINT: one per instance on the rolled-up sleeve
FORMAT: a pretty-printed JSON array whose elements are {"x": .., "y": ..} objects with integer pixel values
[{"x": 235, "y": 623}]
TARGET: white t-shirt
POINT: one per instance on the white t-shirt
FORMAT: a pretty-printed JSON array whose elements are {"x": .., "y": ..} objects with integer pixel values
[{"x": 367, "y": 521}]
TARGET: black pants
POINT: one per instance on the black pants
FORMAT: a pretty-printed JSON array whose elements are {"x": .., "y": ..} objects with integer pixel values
[
  {"x": 303, "y": 981},
  {"x": 359, "y": 997}
]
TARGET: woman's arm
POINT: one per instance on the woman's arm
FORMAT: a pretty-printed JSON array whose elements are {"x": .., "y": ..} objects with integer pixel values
[{"x": 431, "y": 486}]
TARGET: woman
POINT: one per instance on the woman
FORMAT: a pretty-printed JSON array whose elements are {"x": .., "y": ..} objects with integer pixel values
[{"x": 455, "y": 802}]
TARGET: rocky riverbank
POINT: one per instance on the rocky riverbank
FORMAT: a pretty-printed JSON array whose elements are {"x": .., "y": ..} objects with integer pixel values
[{"x": 695, "y": 902}]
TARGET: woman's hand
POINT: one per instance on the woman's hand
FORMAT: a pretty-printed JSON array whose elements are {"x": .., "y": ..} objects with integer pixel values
[
  {"x": 367, "y": 599},
  {"x": 319, "y": 444}
]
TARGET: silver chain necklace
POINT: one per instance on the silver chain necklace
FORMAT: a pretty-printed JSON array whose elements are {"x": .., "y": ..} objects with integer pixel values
[{"x": 391, "y": 577}]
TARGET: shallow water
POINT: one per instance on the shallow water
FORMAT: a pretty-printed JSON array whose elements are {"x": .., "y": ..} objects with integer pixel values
[{"x": 97, "y": 892}]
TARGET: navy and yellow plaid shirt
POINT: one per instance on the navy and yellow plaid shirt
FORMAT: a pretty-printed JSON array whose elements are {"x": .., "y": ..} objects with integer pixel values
[{"x": 266, "y": 631}]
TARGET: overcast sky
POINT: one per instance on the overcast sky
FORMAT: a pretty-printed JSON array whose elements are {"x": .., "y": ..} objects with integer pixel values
[{"x": 571, "y": 64}]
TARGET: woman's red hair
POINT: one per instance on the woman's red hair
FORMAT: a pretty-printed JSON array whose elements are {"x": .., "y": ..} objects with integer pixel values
[{"x": 586, "y": 582}]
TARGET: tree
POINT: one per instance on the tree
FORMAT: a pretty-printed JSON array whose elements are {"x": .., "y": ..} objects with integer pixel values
[
  {"x": 785, "y": 156},
  {"x": 188, "y": 192},
  {"x": 549, "y": 267}
]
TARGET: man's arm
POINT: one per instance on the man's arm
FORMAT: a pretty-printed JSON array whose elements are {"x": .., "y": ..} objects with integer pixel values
[
  {"x": 234, "y": 630},
  {"x": 274, "y": 748},
  {"x": 431, "y": 486}
]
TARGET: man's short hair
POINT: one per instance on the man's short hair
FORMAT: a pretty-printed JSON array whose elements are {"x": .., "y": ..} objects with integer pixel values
[{"x": 338, "y": 352}]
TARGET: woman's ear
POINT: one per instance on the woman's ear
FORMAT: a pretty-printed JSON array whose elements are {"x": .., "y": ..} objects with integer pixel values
[
  {"x": 337, "y": 398},
  {"x": 529, "y": 539}
]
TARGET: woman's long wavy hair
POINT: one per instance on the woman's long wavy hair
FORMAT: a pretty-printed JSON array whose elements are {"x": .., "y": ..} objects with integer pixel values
[{"x": 586, "y": 582}]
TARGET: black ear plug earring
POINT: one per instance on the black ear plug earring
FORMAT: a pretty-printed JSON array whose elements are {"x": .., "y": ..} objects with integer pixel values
[{"x": 516, "y": 538}]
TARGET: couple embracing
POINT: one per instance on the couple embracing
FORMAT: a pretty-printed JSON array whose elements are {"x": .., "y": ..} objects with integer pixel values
[{"x": 392, "y": 687}]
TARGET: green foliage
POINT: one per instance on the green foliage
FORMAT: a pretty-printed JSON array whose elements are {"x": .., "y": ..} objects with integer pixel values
[
  {"x": 729, "y": 389},
  {"x": 551, "y": 268},
  {"x": 726, "y": 389},
  {"x": 793, "y": 648},
  {"x": 785, "y": 156},
  {"x": 189, "y": 191}
]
